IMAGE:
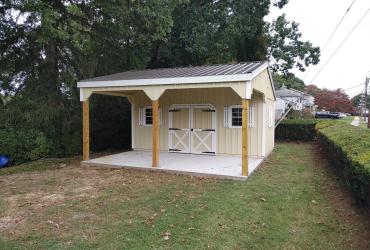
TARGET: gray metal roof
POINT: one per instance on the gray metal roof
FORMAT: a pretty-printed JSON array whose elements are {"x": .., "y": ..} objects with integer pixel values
[
  {"x": 196, "y": 71},
  {"x": 284, "y": 92}
]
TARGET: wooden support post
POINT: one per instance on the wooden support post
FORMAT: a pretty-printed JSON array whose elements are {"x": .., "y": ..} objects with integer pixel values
[
  {"x": 245, "y": 115},
  {"x": 85, "y": 131},
  {"x": 155, "y": 133}
]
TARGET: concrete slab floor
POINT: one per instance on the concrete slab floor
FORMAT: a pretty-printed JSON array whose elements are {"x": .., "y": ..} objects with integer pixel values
[{"x": 219, "y": 166}]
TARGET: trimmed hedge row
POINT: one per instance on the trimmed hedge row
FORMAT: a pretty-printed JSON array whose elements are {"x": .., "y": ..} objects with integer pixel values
[
  {"x": 348, "y": 150},
  {"x": 296, "y": 130}
]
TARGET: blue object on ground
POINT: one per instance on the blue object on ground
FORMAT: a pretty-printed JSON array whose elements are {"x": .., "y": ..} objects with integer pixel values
[{"x": 4, "y": 160}]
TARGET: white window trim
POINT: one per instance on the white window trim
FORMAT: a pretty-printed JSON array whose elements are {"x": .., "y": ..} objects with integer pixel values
[
  {"x": 228, "y": 116},
  {"x": 251, "y": 117},
  {"x": 270, "y": 118},
  {"x": 142, "y": 116}
]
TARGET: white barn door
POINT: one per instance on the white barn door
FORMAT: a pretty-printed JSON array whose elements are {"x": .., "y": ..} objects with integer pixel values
[
  {"x": 203, "y": 130},
  {"x": 179, "y": 130},
  {"x": 192, "y": 129}
]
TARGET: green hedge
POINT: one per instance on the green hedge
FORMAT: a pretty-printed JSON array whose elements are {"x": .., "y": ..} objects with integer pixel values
[
  {"x": 296, "y": 130},
  {"x": 23, "y": 145},
  {"x": 348, "y": 149}
]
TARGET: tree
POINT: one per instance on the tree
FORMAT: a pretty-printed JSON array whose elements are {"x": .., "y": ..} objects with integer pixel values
[
  {"x": 286, "y": 50},
  {"x": 209, "y": 32},
  {"x": 47, "y": 45},
  {"x": 334, "y": 100},
  {"x": 289, "y": 81},
  {"x": 312, "y": 90},
  {"x": 356, "y": 100}
]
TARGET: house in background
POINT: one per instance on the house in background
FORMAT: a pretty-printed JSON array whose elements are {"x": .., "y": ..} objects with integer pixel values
[
  {"x": 215, "y": 120},
  {"x": 298, "y": 99}
]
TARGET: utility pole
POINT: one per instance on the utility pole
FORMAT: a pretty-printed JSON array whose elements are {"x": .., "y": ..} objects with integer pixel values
[
  {"x": 367, "y": 106},
  {"x": 364, "y": 98}
]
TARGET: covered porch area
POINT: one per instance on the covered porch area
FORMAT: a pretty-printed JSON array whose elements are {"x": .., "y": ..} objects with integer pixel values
[{"x": 215, "y": 166}]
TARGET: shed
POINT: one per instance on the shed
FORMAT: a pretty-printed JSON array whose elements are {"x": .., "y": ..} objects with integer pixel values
[{"x": 214, "y": 120}]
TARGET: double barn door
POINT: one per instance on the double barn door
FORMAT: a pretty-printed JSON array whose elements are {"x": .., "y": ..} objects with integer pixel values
[{"x": 192, "y": 129}]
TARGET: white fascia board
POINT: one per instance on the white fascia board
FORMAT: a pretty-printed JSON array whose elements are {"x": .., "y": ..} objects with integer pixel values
[
  {"x": 261, "y": 68},
  {"x": 166, "y": 81},
  {"x": 248, "y": 90}
]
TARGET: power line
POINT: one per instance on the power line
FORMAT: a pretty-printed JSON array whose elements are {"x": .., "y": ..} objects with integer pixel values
[
  {"x": 354, "y": 87},
  {"x": 340, "y": 46},
  {"x": 332, "y": 34}
]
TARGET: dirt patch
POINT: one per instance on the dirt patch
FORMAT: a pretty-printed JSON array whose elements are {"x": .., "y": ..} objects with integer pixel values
[
  {"x": 67, "y": 195},
  {"x": 82, "y": 216},
  {"x": 9, "y": 222}
]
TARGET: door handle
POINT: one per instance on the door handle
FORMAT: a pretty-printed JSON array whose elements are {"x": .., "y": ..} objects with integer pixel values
[{"x": 191, "y": 130}]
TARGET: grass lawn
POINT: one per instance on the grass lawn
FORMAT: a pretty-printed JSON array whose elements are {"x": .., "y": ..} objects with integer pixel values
[
  {"x": 363, "y": 124},
  {"x": 293, "y": 201},
  {"x": 347, "y": 119}
]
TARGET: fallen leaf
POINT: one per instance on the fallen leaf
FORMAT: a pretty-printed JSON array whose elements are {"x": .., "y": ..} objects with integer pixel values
[
  {"x": 167, "y": 235},
  {"x": 68, "y": 243}
]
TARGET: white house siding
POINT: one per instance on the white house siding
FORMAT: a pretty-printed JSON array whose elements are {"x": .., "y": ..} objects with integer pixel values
[{"x": 229, "y": 140}]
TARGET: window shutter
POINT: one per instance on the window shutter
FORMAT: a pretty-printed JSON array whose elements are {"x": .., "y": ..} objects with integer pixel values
[
  {"x": 141, "y": 116},
  {"x": 226, "y": 117},
  {"x": 251, "y": 117}
]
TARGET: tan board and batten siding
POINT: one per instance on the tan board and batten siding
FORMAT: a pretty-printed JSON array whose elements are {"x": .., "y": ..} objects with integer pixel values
[
  {"x": 229, "y": 140},
  {"x": 259, "y": 84}
]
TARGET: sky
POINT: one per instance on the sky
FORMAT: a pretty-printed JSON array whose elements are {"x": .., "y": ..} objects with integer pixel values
[{"x": 317, "y": 19}]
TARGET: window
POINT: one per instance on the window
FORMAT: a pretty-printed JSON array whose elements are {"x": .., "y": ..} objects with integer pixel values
[
  {"x": 146, "y": 116},
  {"x": 236, "y": 117},
  {"x": 233, "y": 116}
]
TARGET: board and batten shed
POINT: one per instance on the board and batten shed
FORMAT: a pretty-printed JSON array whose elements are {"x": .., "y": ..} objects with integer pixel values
[{"x": 221, "y": 115}]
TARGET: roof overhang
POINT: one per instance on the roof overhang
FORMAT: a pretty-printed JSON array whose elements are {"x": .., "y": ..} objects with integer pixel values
[
  {"x": 166, "y": 81},
  {"x": 173, "y": 80}
]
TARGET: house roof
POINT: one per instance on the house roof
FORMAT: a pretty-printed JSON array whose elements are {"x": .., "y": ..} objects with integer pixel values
[
  {"x": 284, "y": 92},
  {"x": 198, "y": 74}
]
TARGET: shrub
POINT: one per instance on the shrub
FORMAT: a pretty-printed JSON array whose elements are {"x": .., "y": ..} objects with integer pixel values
[
  {"x": 348, "y": 149},
  {"x": 307, "y": 114},
  {"x": 23, "y": 145},
  {"x": 296, "y": 130},
  {"x": 294, "y": 114}
]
